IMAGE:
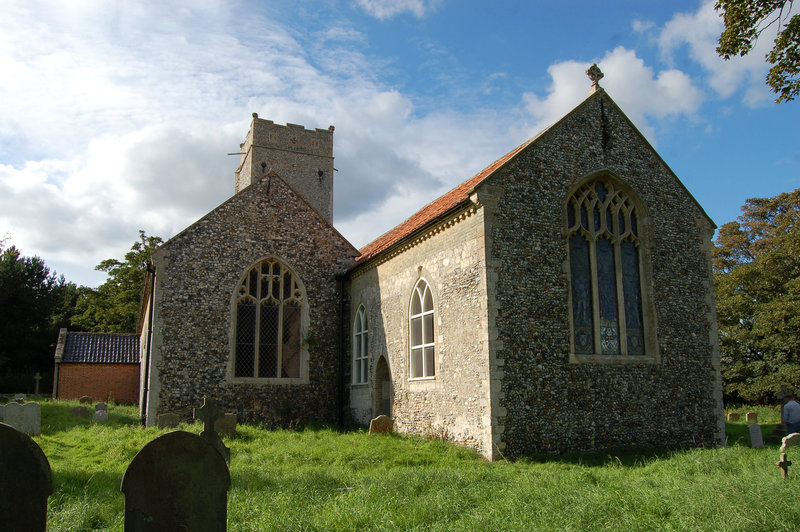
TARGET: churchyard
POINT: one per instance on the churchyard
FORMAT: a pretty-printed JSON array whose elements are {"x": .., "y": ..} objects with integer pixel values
[{"x": 323, "y": 479}]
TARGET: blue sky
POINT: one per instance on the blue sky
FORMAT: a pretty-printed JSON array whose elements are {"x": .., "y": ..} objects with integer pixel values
[{"x": 116, "y": 116}]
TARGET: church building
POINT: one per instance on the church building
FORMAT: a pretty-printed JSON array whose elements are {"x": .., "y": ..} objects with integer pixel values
[{"x": 561, "y": 299}]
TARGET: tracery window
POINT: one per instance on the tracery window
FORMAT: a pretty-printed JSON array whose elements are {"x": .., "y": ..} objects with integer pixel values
[
  {"x": 605, "y": 258},
  {"x": 269, "y": 314},
  {"x": 422, "y": 357},
  {"x": 360, "y": 351}
]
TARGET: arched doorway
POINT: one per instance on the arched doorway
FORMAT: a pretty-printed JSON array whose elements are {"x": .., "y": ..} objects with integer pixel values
[{"x": 383, "y": 395}]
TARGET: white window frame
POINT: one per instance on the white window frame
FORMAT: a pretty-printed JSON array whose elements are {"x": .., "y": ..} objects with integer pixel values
[
  {"x": 360, "y": 347},
  {"x": 425, "y": 320}
]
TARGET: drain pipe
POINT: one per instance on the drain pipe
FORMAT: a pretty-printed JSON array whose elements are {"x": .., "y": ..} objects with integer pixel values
[
  {"x": 151, "y": 269},
  {"x": 340, "y": 352}
]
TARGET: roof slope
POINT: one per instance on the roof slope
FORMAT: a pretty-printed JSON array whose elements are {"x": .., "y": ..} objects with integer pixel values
[
  {"x": 101, "y": 348},
  {"x": 436, "y": 208}
]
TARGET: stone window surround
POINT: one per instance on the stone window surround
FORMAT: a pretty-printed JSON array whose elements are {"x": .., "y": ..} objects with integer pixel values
[
  {"x": 230, "y": 375},
  {"x": 361, "y": 340},
  {"x": 411, "y": 346},
  {"x": 651, "y": 352}
]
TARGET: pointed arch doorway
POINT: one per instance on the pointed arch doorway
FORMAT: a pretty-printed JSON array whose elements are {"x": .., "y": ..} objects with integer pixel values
[{"x": 383, "y": 394}]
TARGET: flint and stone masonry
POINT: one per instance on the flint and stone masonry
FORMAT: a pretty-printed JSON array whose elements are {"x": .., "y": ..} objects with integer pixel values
[{"x": 494, "y": 252}]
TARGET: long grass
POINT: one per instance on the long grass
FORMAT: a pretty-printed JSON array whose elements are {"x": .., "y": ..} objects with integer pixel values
[{"x": 323, "y": 479}]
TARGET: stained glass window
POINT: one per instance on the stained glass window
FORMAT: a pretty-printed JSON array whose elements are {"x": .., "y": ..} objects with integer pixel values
[
  {"x": 268, "y": 323},
  {"x": 422, "y": 361},
  {"x": 604, "y": 259}
]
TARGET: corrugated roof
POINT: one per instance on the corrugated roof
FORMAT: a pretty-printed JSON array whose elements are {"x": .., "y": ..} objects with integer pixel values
[
  {"x": 101, "y": 348},
  {"x": 438, "y": 207}
]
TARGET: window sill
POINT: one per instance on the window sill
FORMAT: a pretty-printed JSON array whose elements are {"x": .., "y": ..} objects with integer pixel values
[
  {"x": 359, "y": 384},
  {"x": 417, "y": 379},
  {"x": 613, "y": 359},
  {"x": 266, "y": 381}
]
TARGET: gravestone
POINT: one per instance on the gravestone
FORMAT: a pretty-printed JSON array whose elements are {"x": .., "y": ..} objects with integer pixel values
[
  {"x": 81, "y": 411},
  {"x": 26, "y": 481},
  {"x": 37, "y": 378},
  {"x": 101, "y": 406},
  {"x": 168, "y": 421},
  {"x": 381, "y": 425},
  {"x": 3, "y": 399},
  {"x": 784, "y": 464},
  {"x": 756, "y": 438},
  {"x": 25, "y": 418},
  {"x": 176, "y": 482},
  {"x": 210, "y": 413},
  {"x": 101, "y": 416},
  {"x": 751, "y": 417},
  {"x": 85, "y": 400},
  {"x": 733, "y": 416},
  {"x": 19, "y": 397},
  {"x": 792, "y": 440},
  {"x": 226, "y": 424}
]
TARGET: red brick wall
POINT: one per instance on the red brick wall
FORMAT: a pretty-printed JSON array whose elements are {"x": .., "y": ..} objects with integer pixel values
[{"x": 120, "y": 381}]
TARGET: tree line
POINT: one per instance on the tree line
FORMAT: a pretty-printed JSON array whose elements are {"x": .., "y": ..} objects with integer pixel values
[{"x": 36, "y": 302}]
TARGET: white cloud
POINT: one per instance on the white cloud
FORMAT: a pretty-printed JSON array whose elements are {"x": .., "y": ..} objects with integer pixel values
[
  {"x": 633, "y": 85},
  {"x": 699, "y": 32},
  {"x": 385, "y": 9}
]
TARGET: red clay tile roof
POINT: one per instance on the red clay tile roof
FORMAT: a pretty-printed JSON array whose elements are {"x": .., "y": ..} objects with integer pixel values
[{"x": 435, "y": 209}]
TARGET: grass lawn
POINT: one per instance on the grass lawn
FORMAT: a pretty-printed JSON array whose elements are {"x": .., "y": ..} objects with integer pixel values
[{"x": 321, "y": 479}]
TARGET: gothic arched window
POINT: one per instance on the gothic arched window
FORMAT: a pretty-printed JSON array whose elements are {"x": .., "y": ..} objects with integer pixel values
[
  {"x": 269, "y": 322},
  {"x": 605, "y": 262},
  {"x": 360, "y": 351},
  {"x": 423, "y": 359}
]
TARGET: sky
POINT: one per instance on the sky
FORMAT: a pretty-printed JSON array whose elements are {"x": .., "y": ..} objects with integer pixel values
[{"x": 117, "y": 116}]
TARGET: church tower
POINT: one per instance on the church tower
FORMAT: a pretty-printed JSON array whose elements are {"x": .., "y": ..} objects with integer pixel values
[{"x": 303, "y": 157}]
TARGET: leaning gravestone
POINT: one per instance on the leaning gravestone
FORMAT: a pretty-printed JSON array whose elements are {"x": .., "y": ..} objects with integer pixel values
[
  {"x": 176, "y": 482},
  {"x": 226, "y": 424},
  {"x": 25, "y": 418},
  {"x": 381, "y": 425},
  {"x": 85, "y": 400},
  {"x": 26, "y": 482},
  {"x": 756, "y": 438},
  {"x": 168, "y": 421},
  {"x": 81, "y": 411}
]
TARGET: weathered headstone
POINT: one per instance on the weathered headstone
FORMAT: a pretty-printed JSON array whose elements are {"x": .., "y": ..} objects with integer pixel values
[
  {"x": 19, "y": 397},
  {"x": 85, "y": 400},
  {"x": 26, "y": 481},
  {"x": 101, "y": 416},
  {"x": 210, "y": 413},
  {"x": 81, "y": 411},
  {"x": 25, "y": 418},
  {"x": 226, "y": 424},
  {"x": 101, "y": 406},
  {"x": 733, "y": 416},
  {"x": 751, "y": 417},
  {"x": 756, "y": 437},
  {"x": 784, "y": 464},
  {"x": 381, "y": 425},
  {"x": 792, "y": 440},
  {"x": 176, "y": 482},
  {"x": 168, "y": 421}
]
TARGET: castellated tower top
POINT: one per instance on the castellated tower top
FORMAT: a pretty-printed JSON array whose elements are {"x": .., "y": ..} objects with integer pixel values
[{"x": 303, "y": 157}]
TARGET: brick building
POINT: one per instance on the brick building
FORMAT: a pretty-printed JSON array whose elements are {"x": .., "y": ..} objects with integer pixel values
[
  {"x": 560, "y": 299},
  {"x": 101, "y": 365}
]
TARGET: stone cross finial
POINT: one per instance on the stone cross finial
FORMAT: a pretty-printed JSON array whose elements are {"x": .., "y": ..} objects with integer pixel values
[
  {"x": 784, "y": 464},
  {"x": 595, "y": 74}
]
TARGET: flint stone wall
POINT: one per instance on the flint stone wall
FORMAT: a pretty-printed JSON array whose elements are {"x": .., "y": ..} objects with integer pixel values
[
  {"x": 197, "y": 273},
  {"x": 547, "y": 403}
]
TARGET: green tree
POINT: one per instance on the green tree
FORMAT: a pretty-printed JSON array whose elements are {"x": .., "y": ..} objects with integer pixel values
[
  {"x": 757, "y": 279},
  {"x": 114, "y": 305},
  {"x": 746, "y": 20},
  {"x": 34, "y": 304}
]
